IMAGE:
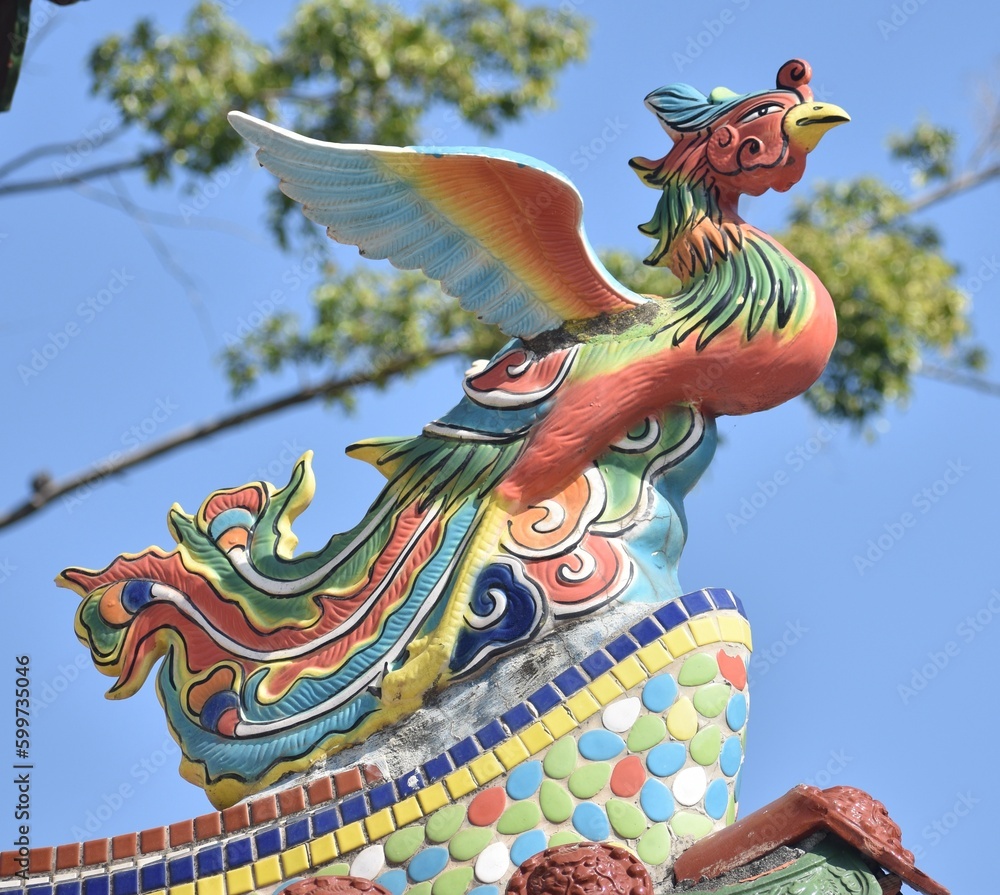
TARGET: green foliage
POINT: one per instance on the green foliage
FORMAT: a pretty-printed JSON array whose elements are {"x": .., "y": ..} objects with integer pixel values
[
  {"x": 894, "y": 290},
  {"x": 928, "y": 149},
  {"x": 365, "y": 321},
  {"x": 342, "y": 70}
]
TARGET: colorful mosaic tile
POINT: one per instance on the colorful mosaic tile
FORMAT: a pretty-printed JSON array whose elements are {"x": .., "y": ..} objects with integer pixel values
[{"x": 641, "y": 741}]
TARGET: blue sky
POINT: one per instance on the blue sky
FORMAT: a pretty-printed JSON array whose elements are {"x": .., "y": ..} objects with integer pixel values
[{"x": 867, "y": 565}]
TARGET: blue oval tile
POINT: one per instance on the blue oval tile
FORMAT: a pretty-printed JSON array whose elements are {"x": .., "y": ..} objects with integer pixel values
[
  {"x": 427, "y": 864},
  {"x": 730, "y": 756},
  {"x": 600, "y": 745},
  {"x": 659, "y": 693},
  {"x": 526, "y": 845},
  {"x": 394, "y": 881},
  {"x": 666, "y": 759},
  {"x": 525, "y": 780},
  {"x": 736, "y": 711},
  {"x": 716, "y": 799},
  {"x": 591, "y": 822},
  {"x": 656, "y": 801},
  {"x": 485, "y": 890}
]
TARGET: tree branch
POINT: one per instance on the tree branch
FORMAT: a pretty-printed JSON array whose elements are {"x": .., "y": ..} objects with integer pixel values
[
  {"x": 957, "y": 377},
  {"x": 50, "y": 183},
  {"x": 47, "y": 491},
  {"x": 959, "y": 184}
]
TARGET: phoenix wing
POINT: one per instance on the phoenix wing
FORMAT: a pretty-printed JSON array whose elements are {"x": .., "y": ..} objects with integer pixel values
[{"x": 500, "y": 231}]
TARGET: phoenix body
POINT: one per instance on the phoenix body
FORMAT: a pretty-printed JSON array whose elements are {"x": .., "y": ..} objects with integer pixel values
[{"x": 553, "y": 488}]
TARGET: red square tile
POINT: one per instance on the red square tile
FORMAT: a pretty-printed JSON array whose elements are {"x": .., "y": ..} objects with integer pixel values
[
  {"x": 236, "y": 818},
  {"x": 181, "y": 833},
  {"x": 95, "y": 851},
  {"x": 347, "y": 781},
  {"x": 292, "y": 800},
  {"x": 263, "y": 809},
  {"x": 41, "y": 860},
  {"x": 154, "y": 839},
  {"x": 320, "y": 790},
  {"x": 372, "y": 772},
  {"x": 68, "y": 856},
  {"x": 124, "y": 846},
  {"x": 207, "y": 826},
  {"x": 9, "y": 864}
]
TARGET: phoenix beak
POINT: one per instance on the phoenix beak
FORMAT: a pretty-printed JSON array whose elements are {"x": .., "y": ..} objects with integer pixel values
[{"x": 806, "y": 123}]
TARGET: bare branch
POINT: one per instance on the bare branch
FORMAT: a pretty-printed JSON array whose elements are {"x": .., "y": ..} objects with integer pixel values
[
  {"x": 958, "y": 184},
  {"x": 334, "y": 387},
  {"x": 52, "y": 183},
  {"x": 957, "y": 377},
  {"x": 37, "y": 152}
]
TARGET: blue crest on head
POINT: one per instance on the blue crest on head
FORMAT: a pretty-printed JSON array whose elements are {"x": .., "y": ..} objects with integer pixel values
[{"x": 685, "y": 109}]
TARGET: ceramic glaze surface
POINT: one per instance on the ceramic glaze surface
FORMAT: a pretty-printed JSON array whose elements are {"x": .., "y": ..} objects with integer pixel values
[{"x": 552, "y": 490}]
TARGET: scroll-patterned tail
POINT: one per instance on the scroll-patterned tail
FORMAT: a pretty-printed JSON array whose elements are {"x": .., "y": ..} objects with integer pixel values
[{"x": 272, "y": 660}]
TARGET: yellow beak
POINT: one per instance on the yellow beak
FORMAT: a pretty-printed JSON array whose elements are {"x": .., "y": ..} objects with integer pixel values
[{"x": 806, "y": 123}]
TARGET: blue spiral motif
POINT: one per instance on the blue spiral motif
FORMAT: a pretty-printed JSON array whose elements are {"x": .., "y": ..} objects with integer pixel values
[{"x": 506, "y": 609}]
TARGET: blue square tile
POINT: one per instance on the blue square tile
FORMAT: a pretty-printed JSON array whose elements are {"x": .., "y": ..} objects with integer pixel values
[
  {"x": 645, "y": 631},
  {"x": 544, "y": 698},
  {"x": 517, "y": 717},
  {"x": 353, "y": 809},
  {"x": 325, "y": 821},
  {"x": 179, "y": 870},
  {"x": 437, "y": 767},
  {"x": 68, "y": 888},
  {"x": 239, "y": 853},
  {"x": 570, "y": 681},
  {"x": 407, "y": 784},
  {"x": 622, "y": 647},
  {"x": 153, "y": 876},
  {"x": 696, "y": 603},
  {"x": 739, "y": 606},
  {"x": 41, "y": 890},
  {"x": 463, "y": 751},
  {"x": 721, "y": 598},
  {"x": 297, "y": 833},
  {"x": 96, "y": 885},
  {"x": 671, "y": 615},
  {"x": 381, "y": 796},
  {"x": 125, "y": 882},
  {"x": 210, "y": 861},
  {"x": 596, "y": 664},
  {"x": 268, "y": 842},
  {"x": 490, "y": 735}
]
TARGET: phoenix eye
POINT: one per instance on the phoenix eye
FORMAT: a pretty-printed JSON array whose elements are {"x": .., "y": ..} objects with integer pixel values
[{"x": 760, "y": 111}]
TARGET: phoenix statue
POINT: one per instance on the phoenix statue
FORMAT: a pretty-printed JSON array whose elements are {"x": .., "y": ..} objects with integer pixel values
[{"x": 552, "y": 489}]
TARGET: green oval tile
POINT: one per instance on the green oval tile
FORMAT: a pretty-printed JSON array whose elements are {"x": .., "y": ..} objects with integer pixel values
[
  {"x": 518, "y": 818},
  {"x": 452, "y": 882},
  {"x": 646, "y": 733},
  {"x": 443, "y": 824},
  {"x": 705, "y": 745},
  {"x": 556, "y": 804},
  {"x": 403, "y": 844},
  {"x": 338, "y": 869},
  {"x": 711, "y": 700},
  {"x": 560, "y": 759},
  {"x": 654, "y": 845},
  {"x": 588, "y": 781},
  {"x": 420, "y": 889},
  {"x": 731, "y": 811},
  {"x": 565, "y": 837},
  {"x": 468, "y": 843},
  {"x": 684, "y": 823},
  {"x": 626, "y": 820},
  {"x": 698, "y": 670}
]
